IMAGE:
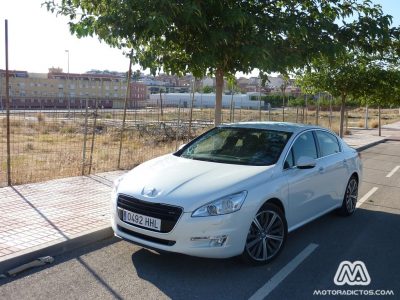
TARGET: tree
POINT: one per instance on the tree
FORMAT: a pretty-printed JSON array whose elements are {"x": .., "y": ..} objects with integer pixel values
[
  {"x": 208, "y": 89},
  {"x": 339, "y": 77},
  {"x": 381, "y": 87},
  {"x": 285, "y": 82},
  {"x": 136, "y": 75},
  {"x": 232, "y": 85},
  {"x": 225, "y": 36}
]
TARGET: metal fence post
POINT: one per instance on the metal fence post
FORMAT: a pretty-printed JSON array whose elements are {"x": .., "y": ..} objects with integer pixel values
[
  {"x": 93, "y": 136},
  {"x": 127, "y": 95},
  {"x": 8, "y": 110},
  {"x": 269, "y": 112},
  {"x": 177, "y": 125},
  {"x": 85, "y": 139}
]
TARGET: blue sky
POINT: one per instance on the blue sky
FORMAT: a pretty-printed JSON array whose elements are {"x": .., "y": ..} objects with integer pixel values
[
  {"x": 38, "y": 40},
  {"x": 391, "y": 7}
]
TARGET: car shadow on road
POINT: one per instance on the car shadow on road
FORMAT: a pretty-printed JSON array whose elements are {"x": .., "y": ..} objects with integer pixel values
[{"x": 178, "y": 276}]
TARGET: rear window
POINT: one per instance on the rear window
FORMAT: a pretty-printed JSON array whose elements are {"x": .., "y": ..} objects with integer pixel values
[{"x": 328, "y": 143}]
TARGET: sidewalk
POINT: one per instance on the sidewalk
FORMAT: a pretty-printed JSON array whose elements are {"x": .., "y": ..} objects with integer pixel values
[
  {"x": 56, "y": 216},
  {"x": 361, "y": 138},
  {"x": 52, "y": 217}
]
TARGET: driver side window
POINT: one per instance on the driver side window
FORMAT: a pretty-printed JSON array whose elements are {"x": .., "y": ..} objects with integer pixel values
[{"x": 303, "y": 146}]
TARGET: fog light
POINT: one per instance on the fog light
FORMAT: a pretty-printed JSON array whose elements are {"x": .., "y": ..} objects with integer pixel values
[
  {"x": 211, "y": 241},
  {"x": 218, "y": 241}
]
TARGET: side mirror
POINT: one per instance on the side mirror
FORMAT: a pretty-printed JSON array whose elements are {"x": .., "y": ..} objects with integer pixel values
[
  {"x": 305, "y": 162},
  {"x": 181, "y": 146}
]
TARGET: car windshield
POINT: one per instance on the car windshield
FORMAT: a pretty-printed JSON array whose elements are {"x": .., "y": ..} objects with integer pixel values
[{"x": 232, "y": 145}]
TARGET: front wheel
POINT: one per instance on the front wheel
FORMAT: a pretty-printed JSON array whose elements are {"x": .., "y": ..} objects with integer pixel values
[
  {"x": 266, "y": 236},
  {"x": 350, "y": 198}
]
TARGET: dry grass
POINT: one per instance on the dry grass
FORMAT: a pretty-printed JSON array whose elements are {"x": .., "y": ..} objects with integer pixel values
[{"x": 374, "y": 124}]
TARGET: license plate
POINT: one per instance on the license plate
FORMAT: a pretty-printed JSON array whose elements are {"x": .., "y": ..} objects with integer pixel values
[{"x": 141, "y": 220}]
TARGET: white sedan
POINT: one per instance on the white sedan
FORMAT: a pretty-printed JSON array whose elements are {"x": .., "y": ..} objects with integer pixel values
[{"x": 238, "y": 189}]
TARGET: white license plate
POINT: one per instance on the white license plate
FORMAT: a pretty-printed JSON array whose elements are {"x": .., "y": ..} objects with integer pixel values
[{"x": 141, "y": 220}]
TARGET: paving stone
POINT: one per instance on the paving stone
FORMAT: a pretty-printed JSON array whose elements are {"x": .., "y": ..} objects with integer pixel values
[{"x": 39, "y": 213}]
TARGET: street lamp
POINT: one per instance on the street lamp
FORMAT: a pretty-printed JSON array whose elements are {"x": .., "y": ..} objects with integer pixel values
[{"x": 69, "y": 100}]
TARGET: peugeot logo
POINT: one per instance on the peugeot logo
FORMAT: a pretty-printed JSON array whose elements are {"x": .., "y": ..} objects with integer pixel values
[{"x": 150, "y": 192}]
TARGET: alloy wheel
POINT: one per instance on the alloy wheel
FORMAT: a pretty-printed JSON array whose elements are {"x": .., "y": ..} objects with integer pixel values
[
  {"x": 351, "y": 195},
  {"x": 266, "y": 236}
]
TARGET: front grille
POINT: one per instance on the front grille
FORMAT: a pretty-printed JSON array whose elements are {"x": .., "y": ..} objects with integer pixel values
[
  {"x": 146, "y": 237},
  {"x": 168, "y": 214}
]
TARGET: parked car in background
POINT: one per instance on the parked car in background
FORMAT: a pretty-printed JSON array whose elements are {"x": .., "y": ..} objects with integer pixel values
[{"x": 237, "y": 189}]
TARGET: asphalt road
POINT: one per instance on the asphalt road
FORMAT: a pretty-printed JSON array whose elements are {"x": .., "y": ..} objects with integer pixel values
[{"x": 115, "y": 269}]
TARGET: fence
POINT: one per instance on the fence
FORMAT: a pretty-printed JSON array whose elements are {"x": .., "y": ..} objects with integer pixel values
[{"x": 50, "y": 142}]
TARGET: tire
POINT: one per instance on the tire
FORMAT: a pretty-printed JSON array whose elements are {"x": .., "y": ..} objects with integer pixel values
[
  {"x": 350, "y": 198},
  {"x": 266, "y": 237}
]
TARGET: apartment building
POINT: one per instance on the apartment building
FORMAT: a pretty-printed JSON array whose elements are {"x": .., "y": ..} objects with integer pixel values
[{"x": 68, "y": 90}]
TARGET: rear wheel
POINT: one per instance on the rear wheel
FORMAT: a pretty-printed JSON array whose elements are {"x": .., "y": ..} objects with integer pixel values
[
  {"x": 350, "y": 198},
  {"x": 266, "y": 236}
]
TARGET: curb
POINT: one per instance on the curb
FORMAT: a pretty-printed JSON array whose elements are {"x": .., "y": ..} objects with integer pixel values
[
  {"x": 364, "y": 147},
  {"x": 55, "y": 248}
]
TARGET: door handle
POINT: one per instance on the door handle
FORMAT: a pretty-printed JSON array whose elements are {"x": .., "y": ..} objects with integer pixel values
[
  {"x": 321, "y": 170},
  {"x": 345, "y": 162}
]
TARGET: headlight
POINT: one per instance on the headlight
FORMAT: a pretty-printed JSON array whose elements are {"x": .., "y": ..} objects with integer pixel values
[
  {"x": 222, "y": 206},
  {"x": 115, "y": 186}
]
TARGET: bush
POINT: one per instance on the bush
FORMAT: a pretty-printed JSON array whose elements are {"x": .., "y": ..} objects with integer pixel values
[
  {"x": 40, "y": 117},
  {"x": 374, "y": 124}
]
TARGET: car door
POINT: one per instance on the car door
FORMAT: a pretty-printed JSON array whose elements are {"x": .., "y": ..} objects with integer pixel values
[
  {"x": 334, "y": 167},
  {"x": 306, "y": 186}
]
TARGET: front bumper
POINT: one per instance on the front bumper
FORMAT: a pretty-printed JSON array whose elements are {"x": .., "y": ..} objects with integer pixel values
[{"x": 192, "y": 236}]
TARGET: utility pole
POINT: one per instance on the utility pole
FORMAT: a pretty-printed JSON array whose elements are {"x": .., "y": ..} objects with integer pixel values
[
  {"x": 69, "y": 99},
  {"x": 127, "y": 97},
  {"x": 8, "y": 110}
]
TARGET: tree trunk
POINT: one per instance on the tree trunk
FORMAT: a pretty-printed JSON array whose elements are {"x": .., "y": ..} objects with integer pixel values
[
  {"x": 342, "y": 108},
  {"x": 330, "y": 112},
  {"x": 259, "y": 104},
  {"x": 306, "y": 110},
  {"x": 161, "y": 107},
  {"x": 379, "y": 120},
  {"x": 231, "y": 108},
  {"x": 191, "y": 115},
  {"x": 219, "y": 79},
  {"x": 317, "y": 110}
]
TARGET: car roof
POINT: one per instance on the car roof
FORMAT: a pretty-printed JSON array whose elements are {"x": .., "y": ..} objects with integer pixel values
[{"x": 279, "y": 126}]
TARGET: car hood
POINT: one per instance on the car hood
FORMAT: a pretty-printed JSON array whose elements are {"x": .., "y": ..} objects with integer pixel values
[{"x": 188, "y": 183}]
